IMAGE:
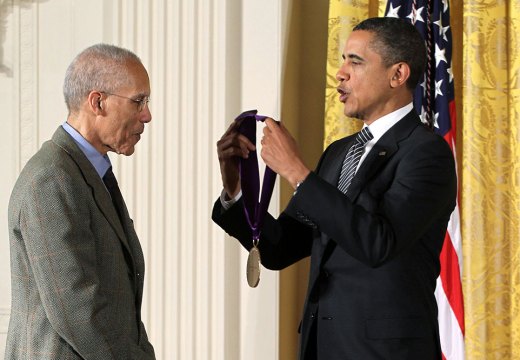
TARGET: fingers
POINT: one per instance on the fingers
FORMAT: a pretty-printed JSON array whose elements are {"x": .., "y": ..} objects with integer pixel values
[
  {"x": 232, "y": 128},
  {"x": 275, "y": 128},
  {"x": 234, "y": 144},
  {"x": 271, "y": 126}
]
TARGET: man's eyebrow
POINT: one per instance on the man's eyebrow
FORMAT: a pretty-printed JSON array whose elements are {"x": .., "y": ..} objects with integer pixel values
[
  {"x": 353, "y": 56},
  {"x": 140, "y": 95}
]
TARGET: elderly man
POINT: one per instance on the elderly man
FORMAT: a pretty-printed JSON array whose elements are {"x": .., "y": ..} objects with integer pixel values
[
  {"x": 373, "y": 215},
  {"x": 76, "y": 262}
]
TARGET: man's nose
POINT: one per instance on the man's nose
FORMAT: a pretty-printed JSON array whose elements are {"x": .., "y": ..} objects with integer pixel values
[
  {"x": 146, "y": 115},
  {"x": 342, "y": 73}
]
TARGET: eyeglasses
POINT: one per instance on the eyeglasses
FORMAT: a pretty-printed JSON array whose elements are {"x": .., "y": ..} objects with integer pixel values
[{"x": 141, "y": 103}]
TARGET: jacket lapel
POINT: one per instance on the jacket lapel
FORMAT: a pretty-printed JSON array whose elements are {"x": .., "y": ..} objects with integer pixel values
[
  {"x": 331, "y": 168},
  {"x": 62, "y": 139},
  {"x": 383, "y": 150}
]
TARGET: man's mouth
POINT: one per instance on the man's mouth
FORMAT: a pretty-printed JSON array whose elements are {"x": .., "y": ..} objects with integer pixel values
[{"x": 342, "y": 94}]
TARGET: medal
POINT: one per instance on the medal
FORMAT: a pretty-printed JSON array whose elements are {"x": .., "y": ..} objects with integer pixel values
[
  {"x": 254, "y": 209},
  {"x": 253, "y": 267}
]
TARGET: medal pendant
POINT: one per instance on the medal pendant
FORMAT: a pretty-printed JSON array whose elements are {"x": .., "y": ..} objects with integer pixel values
[{"x": 253, "y": 267}]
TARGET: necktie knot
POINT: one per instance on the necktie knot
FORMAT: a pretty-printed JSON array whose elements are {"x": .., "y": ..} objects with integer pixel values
[{"x": 364, "y": 136}]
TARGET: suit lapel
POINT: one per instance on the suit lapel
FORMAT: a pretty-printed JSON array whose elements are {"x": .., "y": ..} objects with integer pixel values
[
  {"x": 383, "y": 150},
  {"x": 331, "y": 168},
  {"x": 62, "y": 139}
]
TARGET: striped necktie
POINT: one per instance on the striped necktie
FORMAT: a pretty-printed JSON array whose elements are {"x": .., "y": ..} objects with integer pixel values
[{"x": 352, "y": 159}]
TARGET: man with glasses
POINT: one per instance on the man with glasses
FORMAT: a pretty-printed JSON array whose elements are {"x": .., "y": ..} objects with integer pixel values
[{"x": 76, "y": 262}]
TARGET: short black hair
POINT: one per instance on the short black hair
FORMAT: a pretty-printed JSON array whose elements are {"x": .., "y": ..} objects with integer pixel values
[{"x": 397, "y": 40}]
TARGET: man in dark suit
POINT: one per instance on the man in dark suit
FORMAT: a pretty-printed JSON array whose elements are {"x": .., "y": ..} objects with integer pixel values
[
  {"x": 76, "y": 262},
  {"x": 373, "y": 214}
]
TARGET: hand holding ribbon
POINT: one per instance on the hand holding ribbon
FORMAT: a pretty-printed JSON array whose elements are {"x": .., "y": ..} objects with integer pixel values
[
  {"x": 230, "y": 148},
  {"x": 280, "y": 152}
]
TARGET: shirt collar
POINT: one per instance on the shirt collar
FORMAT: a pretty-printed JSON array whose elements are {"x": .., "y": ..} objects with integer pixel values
[
  {"x": 100, "y": 162},
  {"x": 380, "y": 126}
]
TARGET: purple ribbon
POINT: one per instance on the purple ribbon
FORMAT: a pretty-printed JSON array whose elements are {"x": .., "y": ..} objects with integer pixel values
[{"x": 250, "y": 178}]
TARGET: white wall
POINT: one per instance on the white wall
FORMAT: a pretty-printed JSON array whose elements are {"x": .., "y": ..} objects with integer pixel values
[{"x": 208, "y": 60}]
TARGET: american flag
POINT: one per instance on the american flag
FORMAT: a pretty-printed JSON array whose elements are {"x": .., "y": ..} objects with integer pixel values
[{"x": 434, "y": 101}]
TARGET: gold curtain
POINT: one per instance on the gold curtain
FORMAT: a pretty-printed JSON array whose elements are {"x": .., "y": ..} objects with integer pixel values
[
  {"x": 486, "y": 63},
  {"x": 491, "y": 177}
]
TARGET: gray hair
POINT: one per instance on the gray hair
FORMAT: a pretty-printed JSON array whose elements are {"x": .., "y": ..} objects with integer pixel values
[{"x": 100, "y": 67}]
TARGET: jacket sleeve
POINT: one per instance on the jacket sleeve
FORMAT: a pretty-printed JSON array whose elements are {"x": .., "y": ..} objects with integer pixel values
[
  {"x": 283, "y": 241},
  {"x": 375, "y": 227}
]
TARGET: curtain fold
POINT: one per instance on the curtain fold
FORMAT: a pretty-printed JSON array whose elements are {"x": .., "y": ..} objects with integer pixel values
[{"x": 491, "y": 178}]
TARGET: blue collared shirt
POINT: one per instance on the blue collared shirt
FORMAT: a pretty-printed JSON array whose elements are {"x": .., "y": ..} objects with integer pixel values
[{"x": 100, "y": 162}]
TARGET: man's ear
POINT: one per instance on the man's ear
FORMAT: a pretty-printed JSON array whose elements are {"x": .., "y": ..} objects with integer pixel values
[
  {"x": 95, "y": 102},
  {"x": 400, "y": 74}
]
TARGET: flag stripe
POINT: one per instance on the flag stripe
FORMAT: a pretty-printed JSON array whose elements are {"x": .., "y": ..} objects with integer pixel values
[
  {"x": 450, "y": 277},
  {"x": 452, "y": 339}
]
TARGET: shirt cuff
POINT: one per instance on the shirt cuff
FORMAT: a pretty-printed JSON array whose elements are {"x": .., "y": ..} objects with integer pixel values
[{"x": 226, "y": 204}]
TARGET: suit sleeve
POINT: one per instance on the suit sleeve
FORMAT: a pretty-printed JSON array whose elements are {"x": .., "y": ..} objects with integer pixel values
[
  {"x": 379, "y": 224},
  {"x": 283, "y": 241},
  {"x": 56, "y": 229}
]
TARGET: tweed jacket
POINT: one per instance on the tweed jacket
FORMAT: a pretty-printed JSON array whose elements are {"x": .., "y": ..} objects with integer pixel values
[{"x": 77, "y": 270}]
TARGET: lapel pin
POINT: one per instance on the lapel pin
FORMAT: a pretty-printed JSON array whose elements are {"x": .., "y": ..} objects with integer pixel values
[{"x": 382, "y": 153}]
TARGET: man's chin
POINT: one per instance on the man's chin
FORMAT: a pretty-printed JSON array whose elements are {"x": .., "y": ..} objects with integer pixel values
[
  {"x": 352, "y": 114},
  {"x": 128, "y": 152},
  {"x": 125, "y": 151}
]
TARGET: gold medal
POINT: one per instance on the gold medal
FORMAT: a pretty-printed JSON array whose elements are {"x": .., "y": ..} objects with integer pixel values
[{"x": 253, "y": 267}]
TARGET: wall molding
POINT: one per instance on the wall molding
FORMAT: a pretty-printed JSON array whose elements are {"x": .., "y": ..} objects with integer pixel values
[
  {"x": 28, "y": 82},
  {"x": 204, "y": 70}
]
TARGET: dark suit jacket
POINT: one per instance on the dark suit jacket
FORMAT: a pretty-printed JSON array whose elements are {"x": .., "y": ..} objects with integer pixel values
[
  {"x": 77, "y": 272},
  {"x": 374, "y": 251}
]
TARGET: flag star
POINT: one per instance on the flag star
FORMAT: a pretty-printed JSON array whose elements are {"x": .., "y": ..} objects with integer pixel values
[
  {"x": 442, "y": 29},
  {"x": 423, "y": 116},
  {"x": 417, "y": 17},
  {"x": 450, "y": 73},
  {"x": 445, "y": 3},
  {"x": 436, "y": 120},
  {"x": 440, "y": 55},
  {"x": 423, "y": 85},
  {"x": 438, "y": 90},
  {"x": 393, "y": 12}
]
